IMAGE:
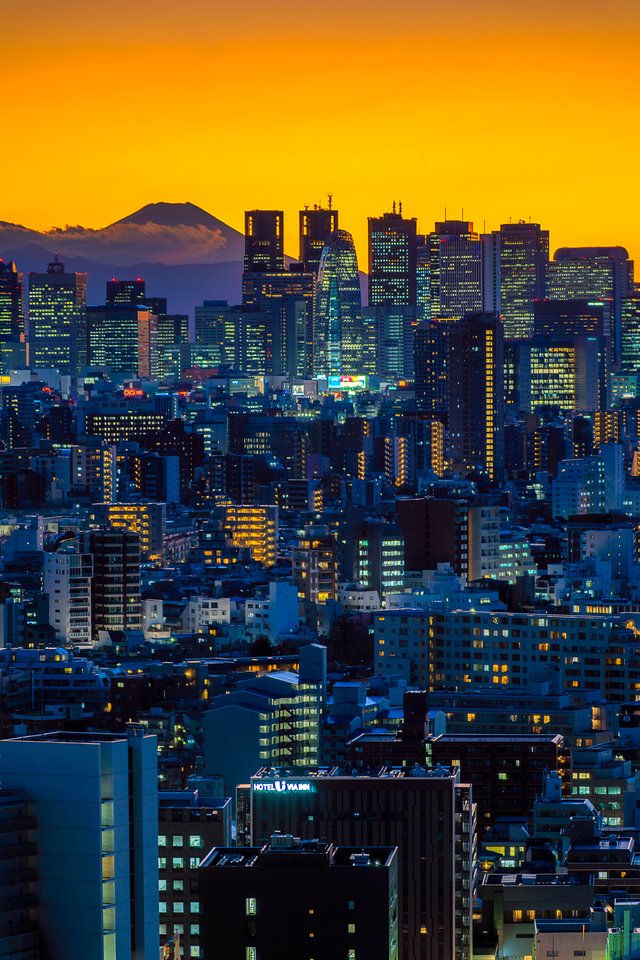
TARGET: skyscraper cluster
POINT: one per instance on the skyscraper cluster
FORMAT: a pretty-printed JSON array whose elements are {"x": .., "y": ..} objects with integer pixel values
[{"x": 319, "y": 625}]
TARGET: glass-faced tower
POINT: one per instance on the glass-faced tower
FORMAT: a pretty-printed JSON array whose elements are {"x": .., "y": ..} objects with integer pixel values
[{"x": 337, "y": 339}]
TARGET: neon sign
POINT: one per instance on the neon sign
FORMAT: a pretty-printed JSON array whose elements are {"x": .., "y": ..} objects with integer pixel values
[
  {"x": 133, "y": 392},
  {"x": 284, "y": 786}
]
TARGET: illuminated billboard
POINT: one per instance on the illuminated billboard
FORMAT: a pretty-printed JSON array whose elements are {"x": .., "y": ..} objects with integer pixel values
[{"x": 347, "y": 383}]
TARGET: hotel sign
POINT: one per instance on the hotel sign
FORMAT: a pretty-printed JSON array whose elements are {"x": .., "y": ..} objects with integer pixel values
[{"x": 283, "y": 786}]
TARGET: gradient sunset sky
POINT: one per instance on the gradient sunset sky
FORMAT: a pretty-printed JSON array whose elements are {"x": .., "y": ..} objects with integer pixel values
[{"x": 504, "y": 108}]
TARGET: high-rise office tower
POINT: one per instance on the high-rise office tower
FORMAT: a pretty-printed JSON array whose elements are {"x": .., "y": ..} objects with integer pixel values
[
  {"x": 95, "y": 803},
  {"x": 11, "y": 302},
  {"x": 263, "y": 241},
  {"x": 562, "y": 318},
  {"x": 455, "y": 269},
  {"x": 392, "y": 259},
  {"x": 217, "y": 328},
  {"x": 122, "y": 337},
  {"x": 516, "y": 256},
  {"x": 171, "y": 334},
  {"x": 125, "y": 291},
  {"x": 427, "y": 814},
  {"x": 252, "y": 328},
  {"x": 57, "y": 319},
  {"x": 431, "y": 362},
  {"x": 286, "y": 298},
  {"x": 600, "y": 274},
  {"x": 476, "y": 393},
  {"x": 423, "y": 276},
  {"x": 316, "y": 226},
  {"x": 115, "y": 588},
  {"x": 567, "y": 364},
  {"x": 565, "y": 373},
  {"x": 387, "y": 334},
  {"x": 630, "y": 353},
  {"x": 337, "y": 342}
]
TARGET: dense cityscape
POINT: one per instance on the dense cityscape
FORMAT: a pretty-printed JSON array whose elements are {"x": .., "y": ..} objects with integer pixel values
[{"x": 320, "y": 609}]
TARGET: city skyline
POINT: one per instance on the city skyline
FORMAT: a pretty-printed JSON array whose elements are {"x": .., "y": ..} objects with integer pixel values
[{"x": 400, "y": 87}]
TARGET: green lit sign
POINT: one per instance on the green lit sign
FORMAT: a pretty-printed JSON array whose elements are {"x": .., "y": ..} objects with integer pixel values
[{"x": 284, "y": 786}]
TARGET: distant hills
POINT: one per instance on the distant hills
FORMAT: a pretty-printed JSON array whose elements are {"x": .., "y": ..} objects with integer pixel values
[{"x": 181, "y": 251}]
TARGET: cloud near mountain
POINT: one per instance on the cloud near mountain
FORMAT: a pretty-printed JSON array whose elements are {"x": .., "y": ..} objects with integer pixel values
[{"x": 159, "y": 233}]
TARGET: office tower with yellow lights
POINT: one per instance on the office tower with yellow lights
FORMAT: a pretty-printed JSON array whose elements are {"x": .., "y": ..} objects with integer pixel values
[
  {"x": 476, "y": 394},
  {"x": 392, "y": 259},
  {"x": 602, "y": 275},
  {"x": 11, "y": 302},
  {"x": 515, "y": 260},
  {"x": 57, "y": 319},
  {"x": 455, "y": 269}
]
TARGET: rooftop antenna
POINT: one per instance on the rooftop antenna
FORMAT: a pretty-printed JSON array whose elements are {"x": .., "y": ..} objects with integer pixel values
[
  {"x": 330, "y": 200},
  {"x": 400, "y": 208},
  {"x": 445, "y": 213},
  {"x": 393, "y": 206},
  {"x": 463, "y": 213}
]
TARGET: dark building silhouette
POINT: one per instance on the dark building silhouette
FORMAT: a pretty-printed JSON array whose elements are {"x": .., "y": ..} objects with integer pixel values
[
  {"x": 263, "y": 241},
  {"x": 476, "y": 394},
  {"x": 316, "y": 225}
]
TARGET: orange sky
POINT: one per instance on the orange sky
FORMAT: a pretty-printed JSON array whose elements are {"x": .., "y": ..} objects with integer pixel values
[{"x": 508, "y": 112}]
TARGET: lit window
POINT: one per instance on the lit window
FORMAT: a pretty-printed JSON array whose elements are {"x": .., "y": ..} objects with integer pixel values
[{"x": 250, "y": 907}]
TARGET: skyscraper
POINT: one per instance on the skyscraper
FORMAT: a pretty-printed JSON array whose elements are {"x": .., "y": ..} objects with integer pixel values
[
  {"x": 57, "y": 324},
  {"x": 455, "y": 269},
  {"x": 121, "y": 337},
  {"x": 286, "y": 298},
  {"x": 515, "y": 260},
  {"x": 337, "y": 340},
  {"x": 392, "y": 259},
  {"x": 125, "y": 291},
  {"x": 431, "y": 362},
  {"x": 316, "y": 225},
  {"x": 600, "y": 274},
  {"x": 216, "y": 327},
  {"x": 263, "y": 241},
  {"x": 11, "y": 302},
  {"x": 476, "y": 393},
  {"x": 630, "y": 353}
]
